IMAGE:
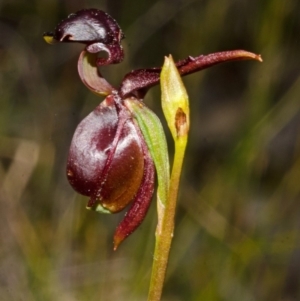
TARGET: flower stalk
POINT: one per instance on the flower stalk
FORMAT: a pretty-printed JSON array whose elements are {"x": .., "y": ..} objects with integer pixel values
[{"x": 176, "y": 109}]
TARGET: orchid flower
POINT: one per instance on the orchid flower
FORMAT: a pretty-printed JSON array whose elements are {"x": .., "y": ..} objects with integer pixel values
[{"x": 119, "y": 147}]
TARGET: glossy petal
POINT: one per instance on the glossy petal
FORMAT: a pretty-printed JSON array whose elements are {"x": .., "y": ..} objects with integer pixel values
[
  {"x": 106, "y": 159},
  {"x": 87, "y": 26},
  {"x": 95, "y": 28}
]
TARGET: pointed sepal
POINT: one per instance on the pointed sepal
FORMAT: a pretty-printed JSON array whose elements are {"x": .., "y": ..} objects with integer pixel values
[{"x": 138, "y": 82}]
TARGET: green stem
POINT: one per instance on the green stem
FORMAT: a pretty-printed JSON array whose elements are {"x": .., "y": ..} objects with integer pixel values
[{"x": 164, "y": 232}]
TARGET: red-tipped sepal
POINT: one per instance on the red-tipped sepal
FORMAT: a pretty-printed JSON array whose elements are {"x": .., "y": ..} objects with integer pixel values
[{"x": 138, "y": 210}]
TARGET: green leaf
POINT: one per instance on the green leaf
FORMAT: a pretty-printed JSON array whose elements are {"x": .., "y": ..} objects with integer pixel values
[{"x": 154, "y": 135}]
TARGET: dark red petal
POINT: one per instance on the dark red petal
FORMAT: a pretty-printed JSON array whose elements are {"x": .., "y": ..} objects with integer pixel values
[
  {"x": 138, "y": 82},
  {"x": 95, "y": 28},
  {"x": 106, "y": 159},
  {"x": 138, "y": 210},
  {"x": 90, "y": 147},
  {"x": 124, "y": 172}
]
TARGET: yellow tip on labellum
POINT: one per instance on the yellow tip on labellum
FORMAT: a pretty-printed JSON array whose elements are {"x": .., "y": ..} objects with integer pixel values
[{"x": 49, "y": 39}]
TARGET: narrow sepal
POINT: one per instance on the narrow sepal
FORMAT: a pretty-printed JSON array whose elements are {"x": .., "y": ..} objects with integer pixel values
[
  {"x": 106, "y": 159},
  {"x": 139, "y": 81},
  {"x": 140, "y": 205}
]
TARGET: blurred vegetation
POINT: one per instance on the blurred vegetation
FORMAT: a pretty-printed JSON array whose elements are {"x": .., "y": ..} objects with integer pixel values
[{"x": 237, "y": 235}]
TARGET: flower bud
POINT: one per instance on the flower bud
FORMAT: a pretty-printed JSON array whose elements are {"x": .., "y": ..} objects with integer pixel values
[{"x": 174, "y": 99}]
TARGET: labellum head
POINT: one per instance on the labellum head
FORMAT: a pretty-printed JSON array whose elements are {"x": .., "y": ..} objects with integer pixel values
[
  {"x": 86, "y": 26},
  {"x": 95, "y": 28}
]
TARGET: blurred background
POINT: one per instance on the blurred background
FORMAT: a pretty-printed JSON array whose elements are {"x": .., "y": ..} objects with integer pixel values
[{"x": 237, "y": 228}]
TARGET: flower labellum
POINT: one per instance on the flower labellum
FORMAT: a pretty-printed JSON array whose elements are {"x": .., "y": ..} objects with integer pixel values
[
  {"x": 93, "y": 27},
  {"x": 110, "y": 163},
  {"x": 110, "y": 154},
  {"x": 117, "y": 147}
]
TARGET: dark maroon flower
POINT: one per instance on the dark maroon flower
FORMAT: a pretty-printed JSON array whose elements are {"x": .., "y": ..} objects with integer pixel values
[{"x": 109, "y": 160}]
